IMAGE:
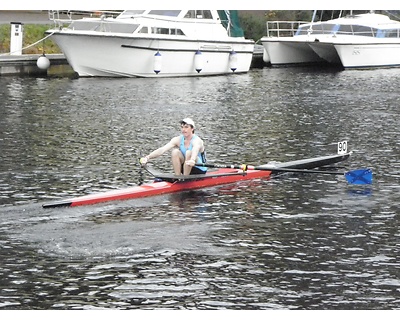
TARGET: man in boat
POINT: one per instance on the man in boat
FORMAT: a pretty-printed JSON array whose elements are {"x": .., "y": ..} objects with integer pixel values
[{"x": 188, "y": 149}]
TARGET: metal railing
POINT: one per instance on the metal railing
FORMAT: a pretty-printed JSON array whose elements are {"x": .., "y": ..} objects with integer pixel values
[
  {"x": 65, "y": 17},
  {"x": 283, "y": 28},
  {"x": 292, "y": 28}
]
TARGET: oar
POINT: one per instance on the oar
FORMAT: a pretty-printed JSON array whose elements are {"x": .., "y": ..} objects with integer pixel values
[{"x": 359, "y": 176}]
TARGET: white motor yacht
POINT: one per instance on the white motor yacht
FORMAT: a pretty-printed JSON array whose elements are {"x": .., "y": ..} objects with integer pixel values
[
  {"x": 353, "y": 41},
  {"x": 155, "y": 43},
  {"x": 286, "y": 42},
  {"x": 361, "y": 41}
]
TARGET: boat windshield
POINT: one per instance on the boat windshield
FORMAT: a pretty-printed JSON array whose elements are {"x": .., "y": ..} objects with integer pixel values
[
  {"x": 130, "y": 13},
  {"x": 388, "y": 33},
  {"x": 102, "y": 26},
  {"x": 331, "y": 28},
  {"x": 198, "y": 14},
  {"x": 168, "y": 13},
  {"x": 317, "y": 28},
  {"x": 357, "y": 30}
]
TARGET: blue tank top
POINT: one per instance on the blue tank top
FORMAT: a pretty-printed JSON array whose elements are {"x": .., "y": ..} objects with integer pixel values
[{"x": 201, "y": 157}]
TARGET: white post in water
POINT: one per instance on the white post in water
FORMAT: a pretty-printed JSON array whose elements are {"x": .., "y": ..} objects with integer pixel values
[{"x": 16, "y": 38}]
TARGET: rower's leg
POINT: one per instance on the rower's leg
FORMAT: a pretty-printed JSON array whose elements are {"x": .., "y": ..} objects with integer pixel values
[
  {"x": 177, "y": 161},
  {"x": 187, "y": 169}
]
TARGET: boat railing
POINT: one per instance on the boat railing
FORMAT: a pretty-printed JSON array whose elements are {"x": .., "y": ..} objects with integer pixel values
[
  {"x": 296, "y": 28},
  {"x": 65, "y": 17},
  {"x": 283, "y": 28}
]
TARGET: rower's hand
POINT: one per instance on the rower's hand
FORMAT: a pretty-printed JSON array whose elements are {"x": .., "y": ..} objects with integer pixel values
[
  {"x": 190, "y": 163},
  {"x": 143, "y": 161}
]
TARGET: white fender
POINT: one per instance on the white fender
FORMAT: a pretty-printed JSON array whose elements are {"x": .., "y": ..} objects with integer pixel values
[
  {"x": 157, "y": 62},
  {"x": 43, "y": 62},
  {"x": 233, "y": 61},
  {"x": 198, "y": 61}
]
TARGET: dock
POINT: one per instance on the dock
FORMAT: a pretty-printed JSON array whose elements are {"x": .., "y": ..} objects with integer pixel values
[{"x": 25, "y": 65}]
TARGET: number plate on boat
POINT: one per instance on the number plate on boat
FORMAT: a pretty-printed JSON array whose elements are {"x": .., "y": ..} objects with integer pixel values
[{"x": 342, "y": 147}]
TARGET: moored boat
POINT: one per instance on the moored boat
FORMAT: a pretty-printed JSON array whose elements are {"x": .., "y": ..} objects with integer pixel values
[
  {"x": 367, "y": 40},
  {"x": 156, "y": 43},
  {"x": 167, "y": 183},
  {"x": 352, "y": 41},
  {"x": 286, "y": 42}
]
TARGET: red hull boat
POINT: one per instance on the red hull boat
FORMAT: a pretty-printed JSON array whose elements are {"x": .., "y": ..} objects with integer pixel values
[{"x": 167, "y": 183}]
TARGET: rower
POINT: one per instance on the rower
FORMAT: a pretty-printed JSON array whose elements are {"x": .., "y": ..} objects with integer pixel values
[{"x": 188, "y": 149}]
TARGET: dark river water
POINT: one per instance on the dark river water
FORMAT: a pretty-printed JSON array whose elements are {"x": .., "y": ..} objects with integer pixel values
[{"x": 296, "y": 241}]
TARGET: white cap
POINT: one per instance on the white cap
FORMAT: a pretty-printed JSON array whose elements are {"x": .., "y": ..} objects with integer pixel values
[{"x": 188, "y": 121}]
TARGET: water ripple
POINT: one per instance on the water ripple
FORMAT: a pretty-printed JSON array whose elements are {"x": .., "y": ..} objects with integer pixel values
[{"x": 298, "y": 241}]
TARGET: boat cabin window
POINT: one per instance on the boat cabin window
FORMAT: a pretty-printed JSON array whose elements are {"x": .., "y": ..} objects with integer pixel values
[
  {"x": 302, "y": 30},
  {"x": 345, "y": 29},
  {"x": 325, "y": 28},
  {"x": 388, "y": 33},
  {"x": 178, "y": 32},
  {"x": 144, "y": 30},
  {"x": 168, "y": 13},
  {"x": 159, "y": 30},
  {"x": 172, "y": 31},
  {"x": 364, "y": 31},
  {"x": 329, "y": 28},
  {"x": 198, "y": 14},
  {"x": 102, "y": 26},
  {"x": 131, "y": 12},
  {"x": 317, "y": 28},
  {"x": 357, "y": 30},
  {"x": 336, "y": 28},
  {"x": 120, "y": 28}
]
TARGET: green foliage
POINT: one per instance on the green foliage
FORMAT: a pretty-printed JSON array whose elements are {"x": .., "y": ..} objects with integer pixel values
[
  {"x": 31, "y": 34},
  {"x": 254, "y": 27},
  {"x": 5, "y": 38},
  {"x": 254, "y": 23},
  {"x": 289, "y": 15}
]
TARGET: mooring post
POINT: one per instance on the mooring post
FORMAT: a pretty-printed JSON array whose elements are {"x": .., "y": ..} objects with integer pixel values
[{"x": 16, "y": 38}]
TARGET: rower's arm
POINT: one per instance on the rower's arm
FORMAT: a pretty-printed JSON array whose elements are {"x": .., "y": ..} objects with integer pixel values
[
  {"x": 197, "y": 146},
  {"x": 158, "y": 152}
]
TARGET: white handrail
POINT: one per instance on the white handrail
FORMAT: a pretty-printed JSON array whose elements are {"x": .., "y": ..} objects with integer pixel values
[
  {"x": 283, "y": 28},
  {"x": 57, "y": 15}
]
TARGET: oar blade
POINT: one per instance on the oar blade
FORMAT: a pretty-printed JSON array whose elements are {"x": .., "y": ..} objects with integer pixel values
[{"x": 359, "y": 176}]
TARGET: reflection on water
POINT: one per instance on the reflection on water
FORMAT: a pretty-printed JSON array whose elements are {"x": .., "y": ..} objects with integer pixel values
[{"x": 293, "y": 242}]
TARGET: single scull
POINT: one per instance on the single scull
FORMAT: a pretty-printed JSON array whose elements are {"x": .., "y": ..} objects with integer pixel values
[{"x": 168, "y": 183}]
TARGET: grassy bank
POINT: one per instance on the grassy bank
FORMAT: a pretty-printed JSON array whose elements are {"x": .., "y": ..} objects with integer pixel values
[{"x": 31, "y": 34}]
